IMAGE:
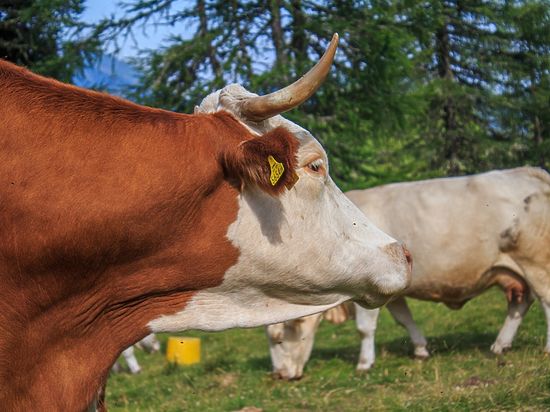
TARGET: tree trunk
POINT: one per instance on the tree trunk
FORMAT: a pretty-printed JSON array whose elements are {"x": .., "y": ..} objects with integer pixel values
[
  {"x": 537, "y": 127},
  {"x": 203, "y": 32},
  {"x": 241, "y": 31},
  {"x": 452, "y": 139},
  {"x": 299, "y": 42},
  {"x": 277, "y": 33}
]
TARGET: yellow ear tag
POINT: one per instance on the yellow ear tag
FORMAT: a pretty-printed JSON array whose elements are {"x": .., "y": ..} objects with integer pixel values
[{"x": 277, "y": 170}]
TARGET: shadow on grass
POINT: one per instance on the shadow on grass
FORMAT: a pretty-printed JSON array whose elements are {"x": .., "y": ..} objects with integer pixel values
[
  {"x": 446, "y": 344},
  {"x": 348, "y": 354},
  {"x": 262, "y": 363}
]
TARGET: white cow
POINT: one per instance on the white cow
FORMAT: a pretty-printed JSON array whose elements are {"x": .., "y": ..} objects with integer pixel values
[
  {"x": 149, "y": 343},
  {"x": 466, "y": 234}
]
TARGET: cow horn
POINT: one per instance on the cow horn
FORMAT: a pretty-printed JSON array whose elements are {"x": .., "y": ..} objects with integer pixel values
[{"x": 263, "y": 107}]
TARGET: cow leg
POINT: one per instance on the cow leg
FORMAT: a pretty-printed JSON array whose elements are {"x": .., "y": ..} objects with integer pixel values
[
  {"x": 538, "y": 277},
  {"x": 402, "y": 314},
  {"x": 149, "y": 343},
  {"x": 516, "y": 312},
  {"x": 117, "y": 367},
  {"x": 545, "y": 303},
  {"x": 98, "y": 403},
  {"x": 366, "y": 320},
  {"x": 93, "y": 407},
  {"x": 546, "y": 308},
  {"x": 131, "y": 360}
]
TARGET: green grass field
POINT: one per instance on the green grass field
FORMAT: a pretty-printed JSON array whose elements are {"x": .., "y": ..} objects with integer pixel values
[{"x": 461, "y": 375}]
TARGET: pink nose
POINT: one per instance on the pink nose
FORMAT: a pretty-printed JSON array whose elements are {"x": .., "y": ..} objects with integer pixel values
[
  {"x": 408, "y": 256},
  {"x": 398, "y": 250}
]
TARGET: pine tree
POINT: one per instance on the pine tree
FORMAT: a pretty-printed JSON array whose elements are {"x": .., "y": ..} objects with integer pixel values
[
  {"x": 525, "y": 73},
  {"x": 45, "y": 35},
  {"x": 419, "y": 89},
  {"x": 264, "y": 46}
]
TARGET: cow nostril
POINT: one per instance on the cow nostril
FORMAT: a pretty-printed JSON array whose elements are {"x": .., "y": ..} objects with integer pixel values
[{"x": 408, "y": 256}]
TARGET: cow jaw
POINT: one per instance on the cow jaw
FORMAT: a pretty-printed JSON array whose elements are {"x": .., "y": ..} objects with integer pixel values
[{"x": 218, "y": 309}]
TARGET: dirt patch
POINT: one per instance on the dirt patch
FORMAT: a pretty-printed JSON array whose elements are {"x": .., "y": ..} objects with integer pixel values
[{"x": 226, "y": 380}]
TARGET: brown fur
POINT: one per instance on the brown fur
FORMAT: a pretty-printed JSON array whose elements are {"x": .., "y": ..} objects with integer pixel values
[
  {"x": 249, "y": 163},
  {"x": 111, "y": 214}
]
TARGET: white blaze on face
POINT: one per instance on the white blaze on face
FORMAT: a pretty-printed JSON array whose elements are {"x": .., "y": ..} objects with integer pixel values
[{"x": 303, "y": 252}]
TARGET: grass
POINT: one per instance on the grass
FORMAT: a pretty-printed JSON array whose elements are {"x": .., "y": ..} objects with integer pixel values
[{"x": 462, "y": 374}]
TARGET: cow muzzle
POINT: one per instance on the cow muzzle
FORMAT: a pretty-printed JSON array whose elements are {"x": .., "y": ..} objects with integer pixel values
[
  {"x": 401, "y": 275},
  {"x": 409, "y": 259},
  {"x": 288, "y": 374},
  {"x": 394, "y": 278}
]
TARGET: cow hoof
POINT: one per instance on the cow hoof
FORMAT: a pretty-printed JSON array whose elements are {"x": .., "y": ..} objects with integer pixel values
[
  {"x": 284, "y": 377},
  {"x": 499, "y": 349},
  {"x": 421, "y": 353},
  {"x": 364, "y": 366},
  {"x": 277, "y": 376}
]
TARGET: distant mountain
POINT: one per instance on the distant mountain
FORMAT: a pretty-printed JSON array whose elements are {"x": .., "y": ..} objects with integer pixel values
[{"x": 110, "y": 74}]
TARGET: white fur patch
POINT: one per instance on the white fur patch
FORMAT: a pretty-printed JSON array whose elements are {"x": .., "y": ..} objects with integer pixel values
[{"x": 217, "y": 310}]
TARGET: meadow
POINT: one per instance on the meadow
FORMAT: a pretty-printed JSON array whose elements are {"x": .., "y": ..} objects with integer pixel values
[{"x": 462, "y": 373}]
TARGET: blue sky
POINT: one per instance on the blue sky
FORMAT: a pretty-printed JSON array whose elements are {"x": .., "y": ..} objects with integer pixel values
[{"x": 149, "y": 37}]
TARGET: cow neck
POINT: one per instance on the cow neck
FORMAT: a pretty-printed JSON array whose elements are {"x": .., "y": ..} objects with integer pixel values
[
  {"x": 69, "y": 347},
  {"x": 84, "y": 277}
]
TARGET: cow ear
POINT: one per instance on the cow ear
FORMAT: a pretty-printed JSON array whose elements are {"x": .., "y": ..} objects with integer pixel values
[{"x": 268, "y": 161}]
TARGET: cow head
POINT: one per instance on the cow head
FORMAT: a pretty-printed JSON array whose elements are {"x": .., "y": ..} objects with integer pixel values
[
  {"x": 291, "y": 342},
  {"x": 290, "y": 345},
  {"x": 303, "y": 246}
]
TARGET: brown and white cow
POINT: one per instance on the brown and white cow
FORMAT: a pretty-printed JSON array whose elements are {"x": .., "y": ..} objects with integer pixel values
[
  {"x": 466, "y": 234},
  {"x": 118, "y": 220}
]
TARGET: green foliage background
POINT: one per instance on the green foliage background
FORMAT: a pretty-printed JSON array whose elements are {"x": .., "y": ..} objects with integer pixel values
[
  {"x": 47, "y": 36},
  {"x": 419, "y": 88}
]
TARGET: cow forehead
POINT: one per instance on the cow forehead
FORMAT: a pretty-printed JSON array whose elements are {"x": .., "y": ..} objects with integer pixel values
[{"x": 229, "y": 99}]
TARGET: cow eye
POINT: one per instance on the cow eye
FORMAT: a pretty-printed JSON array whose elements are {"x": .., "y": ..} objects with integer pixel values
[{"x": 317, "y": 166}]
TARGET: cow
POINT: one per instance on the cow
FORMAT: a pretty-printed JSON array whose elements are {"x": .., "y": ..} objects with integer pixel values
[
  {"x": 466, "y": 234},
  {"x": 119, "y": 220},
  {"x": 149, "y": 343}
]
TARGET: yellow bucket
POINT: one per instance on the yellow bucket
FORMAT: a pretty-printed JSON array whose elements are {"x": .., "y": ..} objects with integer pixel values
[{"x": 183, "y": 351}]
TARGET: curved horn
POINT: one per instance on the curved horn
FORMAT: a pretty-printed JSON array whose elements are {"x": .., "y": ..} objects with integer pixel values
[{"x": 263, "y": 107}]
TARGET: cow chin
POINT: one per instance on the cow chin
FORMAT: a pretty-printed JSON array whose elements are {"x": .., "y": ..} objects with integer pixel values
[
  {"x": 385, "y": 293},
  {"x": 395, "y": 278}
]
